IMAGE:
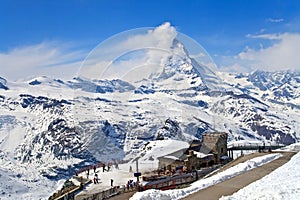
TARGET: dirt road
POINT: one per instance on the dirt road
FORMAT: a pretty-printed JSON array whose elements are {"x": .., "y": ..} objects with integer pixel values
[{"x": 122, "y": 196}]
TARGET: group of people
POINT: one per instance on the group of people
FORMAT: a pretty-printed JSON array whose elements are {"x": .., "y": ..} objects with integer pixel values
[
  {"x": 129, "y": 185},
  {"x": 105, "y": 167},
  {"x": 109, "y": 166},
  {"x": 96, "y": 180}
]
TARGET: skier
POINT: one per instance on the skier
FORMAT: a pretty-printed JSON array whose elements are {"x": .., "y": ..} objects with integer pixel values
[
  {"x": 103, "y": 167},
  {"x": 111, "y": 182},
  {"x": 94, "y": 168}
]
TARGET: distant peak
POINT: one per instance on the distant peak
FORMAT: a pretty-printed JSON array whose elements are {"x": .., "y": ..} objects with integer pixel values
[{"x": 3, "y": 83}]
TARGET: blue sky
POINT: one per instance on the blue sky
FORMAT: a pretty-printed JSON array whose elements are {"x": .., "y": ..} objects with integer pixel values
[{"x": 239, "y": 35}]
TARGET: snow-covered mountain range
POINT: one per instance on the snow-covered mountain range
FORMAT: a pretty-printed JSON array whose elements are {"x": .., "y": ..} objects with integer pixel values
[{"x": 51, "y": 127}]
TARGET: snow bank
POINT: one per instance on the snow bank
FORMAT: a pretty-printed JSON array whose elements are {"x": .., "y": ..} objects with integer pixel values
[
  {"x": 293, "y": 147},
  {"x": 204, "y": 183},
  {"x": 15, "y": 186},
  {"x": 283, "y": 183}
]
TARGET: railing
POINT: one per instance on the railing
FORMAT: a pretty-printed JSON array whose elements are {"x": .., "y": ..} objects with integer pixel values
[
  {"x": 90, "y": 167},
  {"x": 69, "y": 193},
  {"x": 177, "y": 181},
  {"x": 100, "y": 195},
  {"x": 251, "y": 146},
  {"x": 97, "y": 165}
]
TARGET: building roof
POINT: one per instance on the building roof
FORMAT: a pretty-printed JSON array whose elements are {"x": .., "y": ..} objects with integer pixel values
[
  {"x": 177, "y": 155},
  {"x": 171, "y": 157},
  {"x": 201, "y": 155}
]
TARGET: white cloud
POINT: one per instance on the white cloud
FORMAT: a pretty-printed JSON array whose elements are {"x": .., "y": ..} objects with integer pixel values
[
  {"x": 262, "y": 30},
  {"x": 47, "y": 58},
  {"x": 283, "y": 54},
  {"x": 199, "y": 55},
  {"x": 137, "y": 51},
  {"x": 62, "y": 61},
  {"x": 278, "y": 20},
  {"x": 266, "y": 36},
  {"x": 236, "y": 67},
  {"x": 161, "y": 37},
  {"x": 147, "y": 47}
]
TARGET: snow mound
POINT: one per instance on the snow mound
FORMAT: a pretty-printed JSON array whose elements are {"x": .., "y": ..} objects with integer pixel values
[{"x": 293, "y": 147}]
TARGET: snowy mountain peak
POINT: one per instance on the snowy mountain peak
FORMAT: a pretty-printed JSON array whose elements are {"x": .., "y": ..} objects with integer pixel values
[
  {"x": 44, "y": 80},
  {"x": 160, "y": 55},
  {"x": 3, "y": 83},
  {"x": 268, "y": 80},
  {"x": 194, "y": 71}
]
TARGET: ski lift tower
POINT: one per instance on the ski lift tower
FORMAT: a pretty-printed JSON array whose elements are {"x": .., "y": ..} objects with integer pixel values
[{"x": 137, "y": 174}]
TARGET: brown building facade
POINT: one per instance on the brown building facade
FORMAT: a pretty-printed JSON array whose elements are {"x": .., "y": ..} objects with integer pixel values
[
  {"x": 205, "y": 153},
  {"x": 216, "y": 142}
]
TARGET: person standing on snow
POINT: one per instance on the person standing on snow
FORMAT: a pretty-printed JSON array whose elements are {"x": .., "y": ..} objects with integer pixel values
[
  {"x": 103, "y": 167},
  {"x": 97, "y": 178}
]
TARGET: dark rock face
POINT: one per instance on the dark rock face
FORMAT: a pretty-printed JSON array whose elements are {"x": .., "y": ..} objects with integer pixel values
[
  {"x": 171, "y": 129},
  {"x": 281, "y": 138},
  {"x": 144, "y": 90},
  {"x": 29, "y": 100},
  {"x": 100, "y": 86},
  {"x": 3, "y": 84},
  {"x": 35, "y": 82}
]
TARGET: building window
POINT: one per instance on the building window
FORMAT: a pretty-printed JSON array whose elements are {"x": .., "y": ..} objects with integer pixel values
[{"x": 222, "y": 150}]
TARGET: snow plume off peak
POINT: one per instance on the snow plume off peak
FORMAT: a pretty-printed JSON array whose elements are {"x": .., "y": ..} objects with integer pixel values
[
  {"x": 162, "y": 36},
  {"x": 143, "y": 53},
  {"x": 134, "y": 53}
]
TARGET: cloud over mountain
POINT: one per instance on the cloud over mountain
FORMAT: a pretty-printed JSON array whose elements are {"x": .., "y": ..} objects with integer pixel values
[
  {"x": 282, "y": 54},
  {"x": 46, "y": 58},
  {"x": 127, "y": 51}
]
